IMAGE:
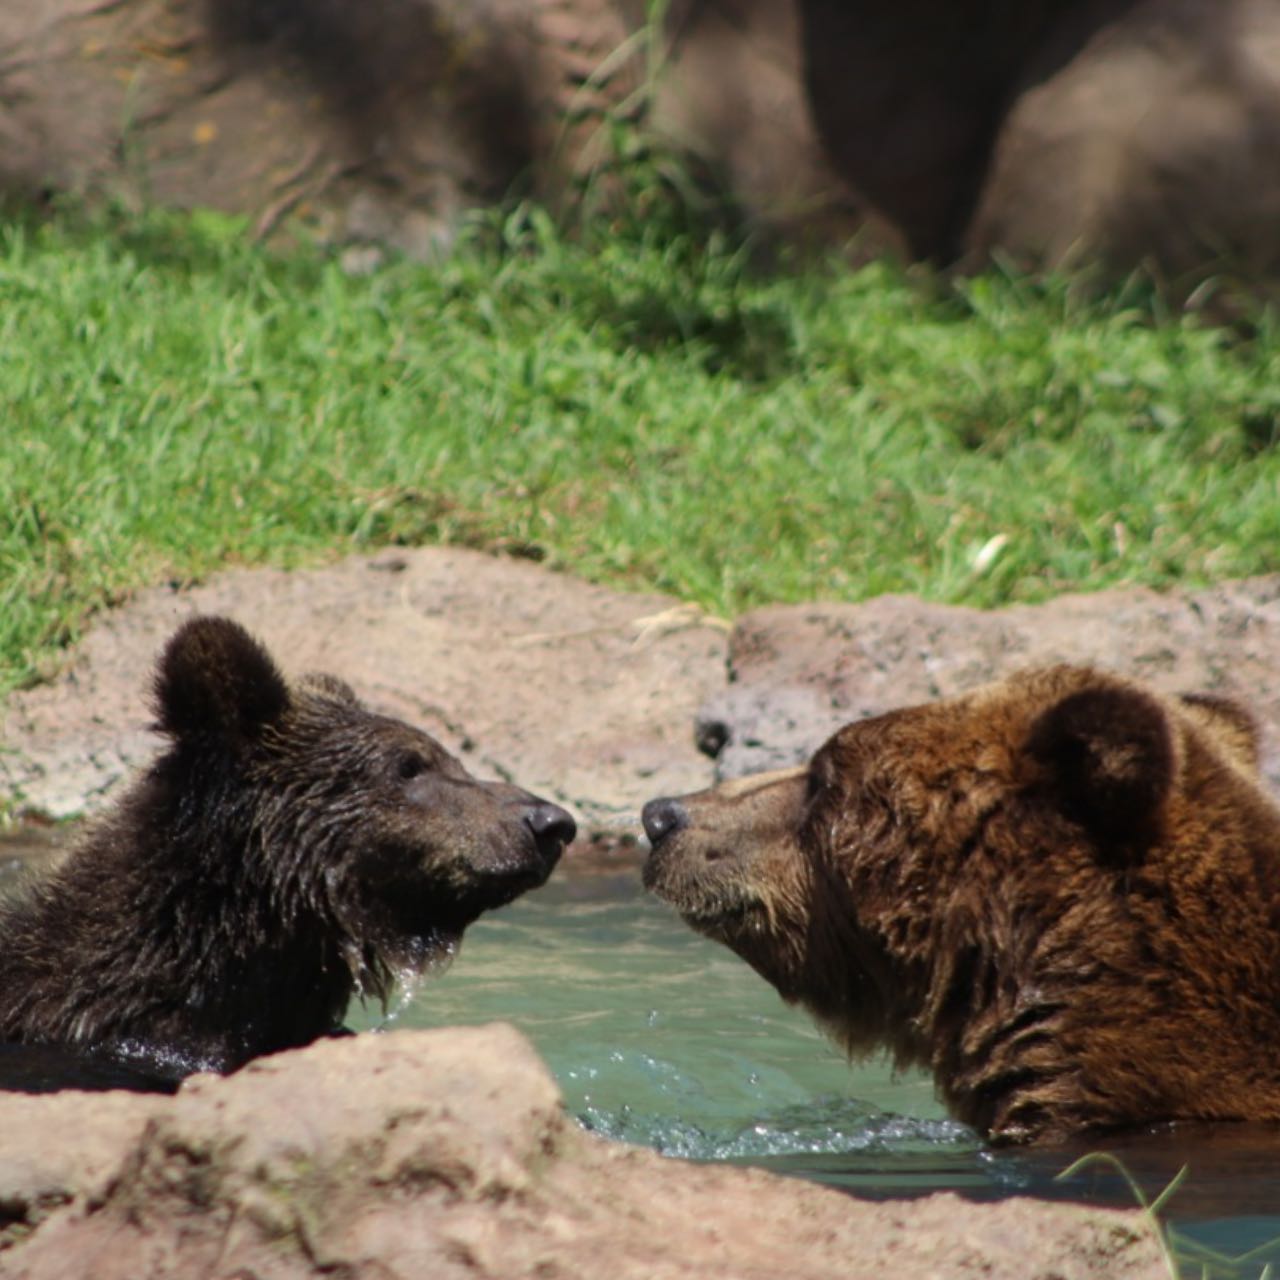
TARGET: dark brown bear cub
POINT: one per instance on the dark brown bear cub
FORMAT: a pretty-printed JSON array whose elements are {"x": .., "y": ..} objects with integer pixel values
[
  {"x": 289, "y": 849},
  {"x": 1060, "y": 894}
]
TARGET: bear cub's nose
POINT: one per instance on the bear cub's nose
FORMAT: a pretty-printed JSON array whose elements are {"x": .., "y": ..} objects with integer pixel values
[
  {"x": 552, "y": 828},
  {"x": 661, "y": 817}
]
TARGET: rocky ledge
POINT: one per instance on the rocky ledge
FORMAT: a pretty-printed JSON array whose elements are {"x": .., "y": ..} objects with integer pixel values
[{"x": 604, "y": 699}]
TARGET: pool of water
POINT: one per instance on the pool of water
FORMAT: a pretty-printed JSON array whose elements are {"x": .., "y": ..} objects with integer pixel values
[{"x": 661, "y": 1038}]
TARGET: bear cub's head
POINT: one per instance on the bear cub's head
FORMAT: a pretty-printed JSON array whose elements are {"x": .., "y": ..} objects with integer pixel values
[
  {"x": 371, "y": 818},
  {"x": 291, "y": 848},
  {"x": 1059, "y": 893}
]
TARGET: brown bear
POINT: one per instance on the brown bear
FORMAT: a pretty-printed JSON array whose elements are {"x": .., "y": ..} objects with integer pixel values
[
  {"x": 290, "y": 849},
  {"x": 1059, "y": 893}
]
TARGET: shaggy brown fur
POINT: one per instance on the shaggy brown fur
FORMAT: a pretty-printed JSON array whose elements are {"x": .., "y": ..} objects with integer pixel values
[
  {"x": 1060, "y": 893},
  {"x": 290, "y": 848}
]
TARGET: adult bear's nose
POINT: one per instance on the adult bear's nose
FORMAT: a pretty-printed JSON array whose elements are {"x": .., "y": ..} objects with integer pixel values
[
  {"x": 552, "y": 828},
  {"x": 661, "y": 817}
]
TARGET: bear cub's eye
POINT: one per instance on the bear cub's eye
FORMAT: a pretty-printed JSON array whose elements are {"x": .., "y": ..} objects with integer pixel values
[{"x": 411, "y": 765}]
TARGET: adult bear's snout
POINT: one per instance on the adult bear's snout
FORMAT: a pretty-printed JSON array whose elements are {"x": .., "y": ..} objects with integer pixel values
[{"x": 661, "y": 817}]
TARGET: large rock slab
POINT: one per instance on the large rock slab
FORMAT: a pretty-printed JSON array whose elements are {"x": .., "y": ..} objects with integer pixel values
[
  {"x": 447, "y": 1153},
  {"x": 799, "y": 672},
  {"x": 572, "y": 690}
]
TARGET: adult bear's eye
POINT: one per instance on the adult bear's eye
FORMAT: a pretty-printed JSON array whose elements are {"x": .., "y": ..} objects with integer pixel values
[
  {"x": 821, "y": 776},
  {"x": 411, "y": 764}
]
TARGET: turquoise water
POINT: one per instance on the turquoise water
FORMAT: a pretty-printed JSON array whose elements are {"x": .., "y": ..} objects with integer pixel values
[{"x": 661, "y": 1038}]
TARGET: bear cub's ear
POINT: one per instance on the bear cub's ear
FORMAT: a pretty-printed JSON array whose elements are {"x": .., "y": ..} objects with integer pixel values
[
  {"x": 216, "y": 681},
  {"x": 1109, "y": 755},
  {"x": 328, "y": 687}
]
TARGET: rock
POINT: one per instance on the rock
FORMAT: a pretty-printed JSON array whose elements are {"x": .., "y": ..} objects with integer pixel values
[
  {"x": 907, "y": 96},
  {"x": 381, "y": 124},
  {"x": 447, "y": 1153},
  {"x": 798, "y": 672},
  {"x": 730, "y": 92},
  {"x": 597, "y": 697},
  {"x": 1122, "y": 132},
  {"x": 1146, "y": 135},
  {"x": 321, "y": 109},
  {"x": 570, "y": 690}
]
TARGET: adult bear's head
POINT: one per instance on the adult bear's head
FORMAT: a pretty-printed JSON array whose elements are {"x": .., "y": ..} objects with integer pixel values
[{"x": 1044, "y": 891}]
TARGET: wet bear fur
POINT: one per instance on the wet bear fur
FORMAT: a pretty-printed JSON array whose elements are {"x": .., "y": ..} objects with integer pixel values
[
  {"x": 289, "y": 850},
  {"x": 1060, "y": 894}
]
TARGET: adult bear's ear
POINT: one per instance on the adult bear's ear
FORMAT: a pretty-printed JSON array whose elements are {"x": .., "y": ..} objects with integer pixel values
[
  {"x": 1231, "y": 726},
  {"x": 1109, "y": 757},
  {"x": 215, "y": 681}
]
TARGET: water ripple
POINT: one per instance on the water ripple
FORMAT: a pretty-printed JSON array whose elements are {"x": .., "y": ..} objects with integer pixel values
[{"x": 825, "y": 1126}]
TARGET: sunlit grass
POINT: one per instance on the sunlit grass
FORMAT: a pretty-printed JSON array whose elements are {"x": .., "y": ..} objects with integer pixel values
[{"x": 637, "y": 405}]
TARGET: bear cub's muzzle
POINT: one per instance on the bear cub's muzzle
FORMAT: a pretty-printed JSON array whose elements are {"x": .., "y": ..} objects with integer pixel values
[{"x": 553, "y": 830}]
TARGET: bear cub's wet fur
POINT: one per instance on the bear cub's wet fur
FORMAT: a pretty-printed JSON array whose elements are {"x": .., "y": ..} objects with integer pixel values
[
  {"x": 1059, "y": 893},
  {"x": 290, "y": 849}
]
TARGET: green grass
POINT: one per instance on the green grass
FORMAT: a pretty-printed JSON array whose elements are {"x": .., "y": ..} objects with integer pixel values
[
  {"x": 636, "y": 404},
  {"x": 1184, "y": 1257}
]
